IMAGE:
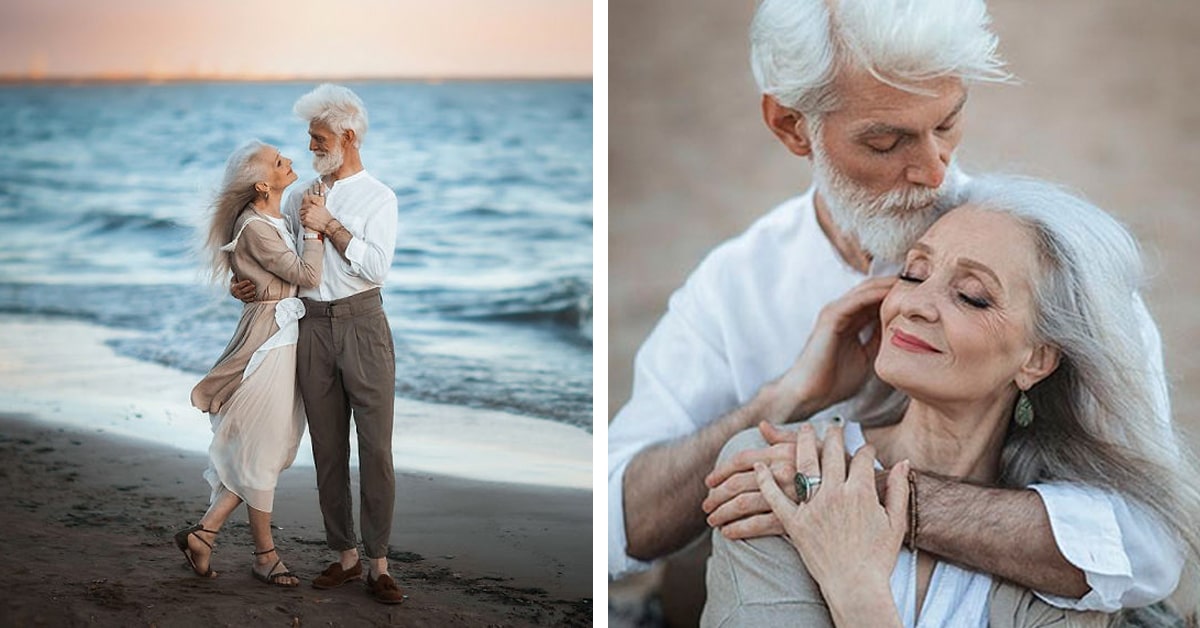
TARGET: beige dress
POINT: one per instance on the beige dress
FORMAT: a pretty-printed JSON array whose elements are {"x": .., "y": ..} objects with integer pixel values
[{"x": 250, "y": 393}]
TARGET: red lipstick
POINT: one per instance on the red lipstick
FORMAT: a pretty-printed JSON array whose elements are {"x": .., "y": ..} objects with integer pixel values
[{"x": 911, "y": 343}]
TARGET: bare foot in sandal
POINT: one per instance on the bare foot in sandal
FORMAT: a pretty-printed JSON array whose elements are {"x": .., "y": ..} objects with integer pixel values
[
  {"x": 196, "y": 543},
  {"x": 269, "y": 568}
]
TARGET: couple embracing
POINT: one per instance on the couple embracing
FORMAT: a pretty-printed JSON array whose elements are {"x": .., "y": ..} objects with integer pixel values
[
  {"x": 313, "y": 343},
  {"x": 907, "y": 397}
]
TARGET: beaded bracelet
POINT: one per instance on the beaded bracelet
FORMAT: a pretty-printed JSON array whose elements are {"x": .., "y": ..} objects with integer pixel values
[{"x": 910, "y": 539}]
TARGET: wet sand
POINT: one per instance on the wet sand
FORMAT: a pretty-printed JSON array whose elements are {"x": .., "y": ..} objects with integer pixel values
[
  {"x": 92, "y": 491},
  {"x": 88, "y": 520}
]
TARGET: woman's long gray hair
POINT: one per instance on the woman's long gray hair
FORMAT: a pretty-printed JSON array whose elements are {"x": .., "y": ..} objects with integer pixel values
[
  {"x": 236, "y": 192},
  {"x": 1102, "y": 418}
]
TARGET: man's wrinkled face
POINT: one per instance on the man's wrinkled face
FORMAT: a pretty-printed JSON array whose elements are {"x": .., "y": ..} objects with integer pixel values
[
  {"x": 326, "y": 147},
  {"x": 883, "y": 160}
]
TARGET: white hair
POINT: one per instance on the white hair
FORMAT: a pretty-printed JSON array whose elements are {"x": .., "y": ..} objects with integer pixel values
[
  {"x": 242, "y": 172},
  {"x": 335, "y": 106},
  {"x": 797, "y": 47},
  {"x": 1097, "y": 417}
]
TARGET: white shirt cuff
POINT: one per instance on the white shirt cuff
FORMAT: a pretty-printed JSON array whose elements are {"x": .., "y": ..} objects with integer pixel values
[
  {"x": 619, "y": 563},
  {"x": 356, "y": 251},
  {"x": 1086, "y": 531}
]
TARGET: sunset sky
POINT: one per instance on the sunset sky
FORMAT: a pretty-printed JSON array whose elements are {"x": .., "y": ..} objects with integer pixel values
[{"x": 297, "y": 38}]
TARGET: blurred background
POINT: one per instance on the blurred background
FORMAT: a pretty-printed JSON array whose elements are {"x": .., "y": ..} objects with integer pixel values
[
  {"x": 1107, "y": 104},
  {"x": 118, "y": 118}
]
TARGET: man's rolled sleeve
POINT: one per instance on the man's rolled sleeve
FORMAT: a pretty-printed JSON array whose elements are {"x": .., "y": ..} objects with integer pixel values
[
  {"x": 370, "y": 255},
  {"x": 620, "y": 563},
  {"x": 1126, "y": 555}
]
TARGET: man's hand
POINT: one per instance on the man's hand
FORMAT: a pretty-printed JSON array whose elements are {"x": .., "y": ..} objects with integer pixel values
[
  {"x": 835, "y": 362},
  {"x": 243, "y": 290},
  {"x": 735, "y": 504},
  {"x": 313, "y": 214}
]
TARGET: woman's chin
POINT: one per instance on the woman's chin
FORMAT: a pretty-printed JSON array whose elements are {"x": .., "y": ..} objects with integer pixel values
[{"x": 900, "y": 376}]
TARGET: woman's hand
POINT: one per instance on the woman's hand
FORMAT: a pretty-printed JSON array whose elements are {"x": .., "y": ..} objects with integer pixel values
[
  {"x": 835, "y": 362},
  {"x": 849, "y": 542}
]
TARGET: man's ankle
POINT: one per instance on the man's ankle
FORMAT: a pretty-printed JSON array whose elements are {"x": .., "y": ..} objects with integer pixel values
[
  {"x": 348, "y": 559},
  {"x": 377, "y": 567}
]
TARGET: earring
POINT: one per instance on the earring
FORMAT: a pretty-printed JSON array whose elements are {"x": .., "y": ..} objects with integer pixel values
[
  {"x": 1023, "y": 415},
  {"x": 267, "y": 194}
]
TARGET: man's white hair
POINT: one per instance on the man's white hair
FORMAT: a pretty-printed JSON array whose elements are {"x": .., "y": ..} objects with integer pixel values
[
  {"x": 797, "y": 47},
  {"x": 335, "y": 106}
]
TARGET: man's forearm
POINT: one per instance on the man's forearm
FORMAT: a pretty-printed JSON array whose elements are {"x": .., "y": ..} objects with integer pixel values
[
  {"x": 1004, "y": 532},
  {"x": 663, "y": 485},
  {"x": 339, "y": 235}
]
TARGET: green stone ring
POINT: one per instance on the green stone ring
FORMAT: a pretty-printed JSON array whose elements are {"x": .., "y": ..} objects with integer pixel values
[{"x": 806, "y": 486}]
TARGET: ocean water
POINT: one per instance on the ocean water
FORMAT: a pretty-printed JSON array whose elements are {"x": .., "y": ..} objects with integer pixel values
[{"x": 103, "y": 190}]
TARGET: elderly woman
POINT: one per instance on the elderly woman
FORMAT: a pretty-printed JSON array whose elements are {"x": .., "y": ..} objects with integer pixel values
[
  {"x": 251, "y": 393},
  {"x": 1011, "y": 332}
]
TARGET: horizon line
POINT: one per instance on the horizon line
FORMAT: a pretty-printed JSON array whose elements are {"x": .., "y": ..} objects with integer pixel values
[{"x": 112, "y": 77}]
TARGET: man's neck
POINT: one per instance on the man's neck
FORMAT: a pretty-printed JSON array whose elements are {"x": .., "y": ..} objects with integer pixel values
[
  {"x": 351, "y": 165},
  {"x": 847, "y": 245}
]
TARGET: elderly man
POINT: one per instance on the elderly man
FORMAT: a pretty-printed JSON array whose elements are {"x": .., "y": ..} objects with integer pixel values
[
  {"x": 345, "y": 357},
  {"x": 873, "y": 94}
]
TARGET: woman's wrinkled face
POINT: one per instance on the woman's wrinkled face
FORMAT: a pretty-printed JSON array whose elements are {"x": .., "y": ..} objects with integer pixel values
[
  {"x": 278, "y": 168},
  {"x": 958, "y": 325}
]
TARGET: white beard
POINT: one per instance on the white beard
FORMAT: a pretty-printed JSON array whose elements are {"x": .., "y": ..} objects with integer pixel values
[
  {"x": 328, "y": 163},
  {"x": 887, "y": 225}
]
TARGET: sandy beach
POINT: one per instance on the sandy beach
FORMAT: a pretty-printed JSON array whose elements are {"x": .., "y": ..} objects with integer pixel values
[{"x": 90, "y": 510}]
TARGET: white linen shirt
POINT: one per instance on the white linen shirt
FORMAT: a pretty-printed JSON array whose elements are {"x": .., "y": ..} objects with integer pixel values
[
  {"x": 739, "y": 322},
  {"x": 368, "y": 210},
  {"x": 956, "y": 596}
]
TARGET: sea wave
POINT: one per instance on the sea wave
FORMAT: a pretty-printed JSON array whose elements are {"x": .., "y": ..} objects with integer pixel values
[
  {"x": 489, "y": 292},
  {"x": 563, "y": 300},
  {"x": 106, "y": 222}
]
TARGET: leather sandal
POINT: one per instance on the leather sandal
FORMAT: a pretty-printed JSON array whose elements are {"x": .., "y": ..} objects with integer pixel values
[
  {"x": 181, "y": 541},
  {"x": 271, "y": 577}
]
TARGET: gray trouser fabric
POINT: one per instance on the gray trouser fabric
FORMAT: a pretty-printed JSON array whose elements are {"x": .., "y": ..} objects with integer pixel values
[{"x": 345, "y": 362}]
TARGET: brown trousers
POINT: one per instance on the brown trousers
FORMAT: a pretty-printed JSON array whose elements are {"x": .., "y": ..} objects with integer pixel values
[{"x": 345, "y": 362}]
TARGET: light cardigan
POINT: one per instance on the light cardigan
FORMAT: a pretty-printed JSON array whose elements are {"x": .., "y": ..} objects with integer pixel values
[{"x": 763, "y": 582}]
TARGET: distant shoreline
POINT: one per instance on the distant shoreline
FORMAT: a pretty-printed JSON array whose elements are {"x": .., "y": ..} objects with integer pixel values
[{"x": 152, "y": 80}]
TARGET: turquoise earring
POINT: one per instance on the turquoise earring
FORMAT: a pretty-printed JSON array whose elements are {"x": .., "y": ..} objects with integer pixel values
[{"x": 1024, "y": 412}]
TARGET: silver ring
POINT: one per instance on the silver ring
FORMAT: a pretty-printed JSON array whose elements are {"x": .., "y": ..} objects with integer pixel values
[{"x": 806, "y": 486}]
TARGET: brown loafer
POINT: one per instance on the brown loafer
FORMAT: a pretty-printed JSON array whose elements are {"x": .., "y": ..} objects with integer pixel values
[
  {"x": 384, "y": 590},
  {"x": 334, "y": 576}
]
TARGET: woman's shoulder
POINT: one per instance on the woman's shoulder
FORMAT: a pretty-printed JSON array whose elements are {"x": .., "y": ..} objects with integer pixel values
[
  {"x": 256, "y": 231},
  {"x": 259, "y": 225}
]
